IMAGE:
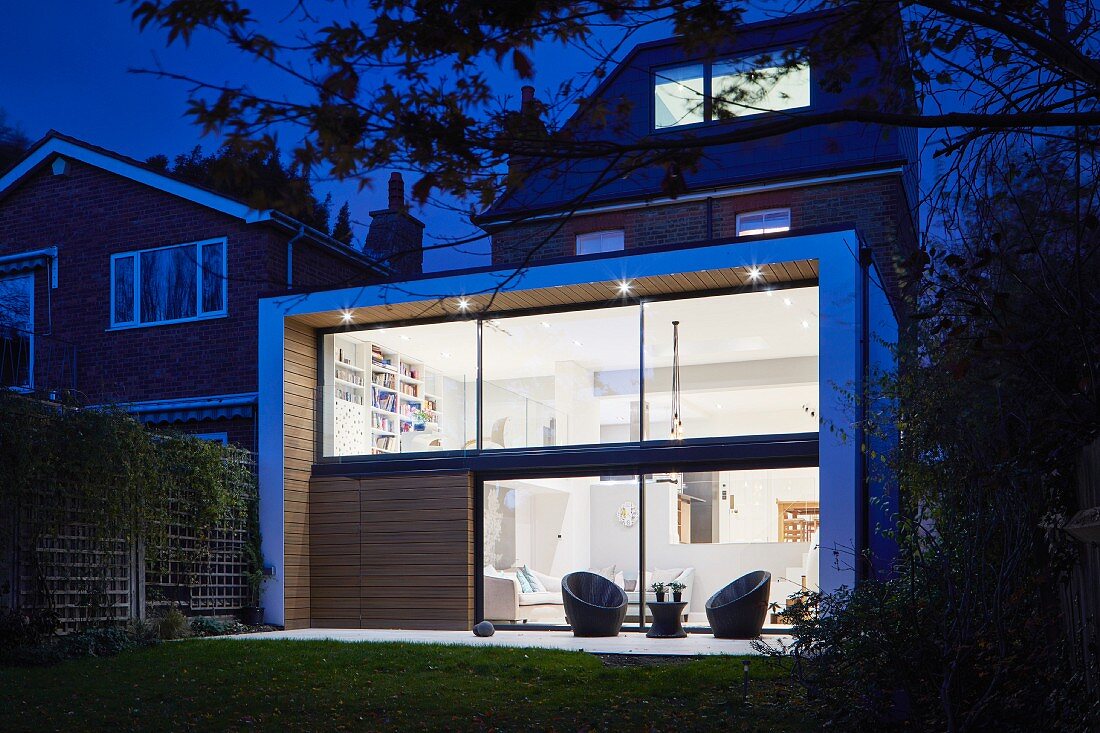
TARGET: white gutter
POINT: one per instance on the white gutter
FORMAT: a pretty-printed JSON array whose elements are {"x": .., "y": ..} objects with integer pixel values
[{"x": 710, "y": 193}]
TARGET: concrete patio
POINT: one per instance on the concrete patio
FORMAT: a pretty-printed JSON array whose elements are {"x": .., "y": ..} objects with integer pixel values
[{"x": 624, "y": 643}]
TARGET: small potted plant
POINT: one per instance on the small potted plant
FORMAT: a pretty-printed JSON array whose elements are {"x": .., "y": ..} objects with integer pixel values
[
  {"x": 659, "y": 589},
  {"x": 421, "y": 418},
  {"x": 677, "y": 589}
]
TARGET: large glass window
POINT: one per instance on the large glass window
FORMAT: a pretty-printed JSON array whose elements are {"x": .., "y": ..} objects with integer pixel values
[
  {"x": 536, "y": 530},
  {"x": 178, "y": 283},
  {"x": 408, "y": 389},
  {"x": 736, "y": 87},
  {"x": 701, "y": 530},
  {"x": 560, "y": 379},
  {"x": 16, "y": 327},
  {"x": 747, "y": 365},
  {"x": 678, "y": 96}
]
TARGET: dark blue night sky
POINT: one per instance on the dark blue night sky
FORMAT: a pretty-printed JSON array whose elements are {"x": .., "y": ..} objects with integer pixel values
[{"x": 65, "y": 65}]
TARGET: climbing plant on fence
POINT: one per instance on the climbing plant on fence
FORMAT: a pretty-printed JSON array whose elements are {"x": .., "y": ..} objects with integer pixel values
[{"x": 95, "y": 499}]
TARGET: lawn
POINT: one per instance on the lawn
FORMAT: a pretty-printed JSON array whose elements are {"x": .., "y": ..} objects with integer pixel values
[{"x": 229, "y": 684}]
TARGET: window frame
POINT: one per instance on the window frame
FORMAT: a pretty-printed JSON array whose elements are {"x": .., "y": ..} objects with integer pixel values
[
  {"x": 708, "y": 92},
  {"x": 30, "y": 275},
  {"x": 763, "y": 213},
  {"x": 200, "y": 315},
  {"x": 601, "y": 233}
]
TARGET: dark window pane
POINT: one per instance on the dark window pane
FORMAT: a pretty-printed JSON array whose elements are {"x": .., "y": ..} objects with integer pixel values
[
  {"x": 213, "y": 278},
  {"x": 168, "y": 282},
  {"x": 124, "y": 290},
  {"x": 15, "y": 330}
]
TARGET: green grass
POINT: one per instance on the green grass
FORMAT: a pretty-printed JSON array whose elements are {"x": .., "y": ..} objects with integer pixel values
[{"x": 307, "y": 685}]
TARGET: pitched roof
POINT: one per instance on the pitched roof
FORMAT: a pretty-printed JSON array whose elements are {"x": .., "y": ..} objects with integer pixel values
[{"x": 55, "y": 144}]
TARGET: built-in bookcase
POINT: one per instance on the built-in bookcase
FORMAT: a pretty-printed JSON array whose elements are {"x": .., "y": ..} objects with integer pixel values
[{"x": 375, "y": 397}]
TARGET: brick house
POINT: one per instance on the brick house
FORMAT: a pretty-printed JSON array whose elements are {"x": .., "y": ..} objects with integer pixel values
[
  {"x": 124, "y": 285},
  {"x": 656, "y": 389}
]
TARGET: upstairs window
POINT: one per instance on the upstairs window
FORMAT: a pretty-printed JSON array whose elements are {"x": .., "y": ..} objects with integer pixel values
[
  {"x": 763, "y": 222},
  {"x": 182, "y": 282},
  {"x": 593, "y": 242},
  {"x": 726, "y": 89}
]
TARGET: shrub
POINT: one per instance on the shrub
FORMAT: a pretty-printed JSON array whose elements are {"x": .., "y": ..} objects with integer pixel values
[
  {"x": 26, "y": 628},
  {"x": 210, "y": 626},
  {"x": 173, "y": 625}
]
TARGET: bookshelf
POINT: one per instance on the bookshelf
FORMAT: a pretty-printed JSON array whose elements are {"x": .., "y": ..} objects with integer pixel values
[{"x": 376, "y": 397}]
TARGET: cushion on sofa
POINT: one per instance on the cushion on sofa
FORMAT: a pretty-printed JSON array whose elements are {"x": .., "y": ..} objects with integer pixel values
[
  {"x": 538, "y": 599},
  {"x": 666, "y": 576},
  {"x": 524, "y": 582},
  {"x": 549, "y": 582},
  {"x": 536, "y": 584}
]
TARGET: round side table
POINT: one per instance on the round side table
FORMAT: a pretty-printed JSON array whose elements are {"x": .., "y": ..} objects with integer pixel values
[{"x": 666, "y": 619}]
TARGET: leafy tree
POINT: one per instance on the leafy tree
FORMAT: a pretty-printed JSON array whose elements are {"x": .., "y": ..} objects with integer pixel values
[
  {"x": 341, "y": 230},
  {"x": 402, "y": 85},
  {"x": 257, "y": 176},
  {"x": 13, "y": 142}
]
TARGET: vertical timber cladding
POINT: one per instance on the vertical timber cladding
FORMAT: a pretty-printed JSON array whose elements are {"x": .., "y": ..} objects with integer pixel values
[
  {"x": 402, "y": 558},
  {"x": 299, "y": 387}
]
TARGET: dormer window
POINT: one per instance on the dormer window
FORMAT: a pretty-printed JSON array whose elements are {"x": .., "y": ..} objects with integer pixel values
[
  {"x": 726, "y": 89},
  {"x": 591, "y": 243},
  {"x": 763, "y": 222}
]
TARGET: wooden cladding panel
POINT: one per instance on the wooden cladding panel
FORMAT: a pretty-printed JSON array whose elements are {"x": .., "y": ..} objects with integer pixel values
[
  {"x": 299, "y": 383},
  {"x": 392, "y": 551}
]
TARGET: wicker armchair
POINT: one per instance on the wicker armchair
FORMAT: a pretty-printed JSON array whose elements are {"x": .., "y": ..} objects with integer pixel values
[
  {"x": 594, "y": 605},
  {"x": 738, "y": 610}
]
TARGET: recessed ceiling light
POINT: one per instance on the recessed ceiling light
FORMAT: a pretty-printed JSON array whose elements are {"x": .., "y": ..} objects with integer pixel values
[
  {"x": 545, "y": 324},
  {"x": 787, "y": 302},
  {"x": 404, "y": 337},
  {"x": 624, "y": 287},
  {"x": 346, "y": 316},
  {"x": 463, "y": 304},
  {"x": 445, "y": 354},
  {"x": 577, "y": 343},
  {"x": 718, "y": 405},
  {"x": 805, "y": 324},
  {"x": 755, "y": 273}
]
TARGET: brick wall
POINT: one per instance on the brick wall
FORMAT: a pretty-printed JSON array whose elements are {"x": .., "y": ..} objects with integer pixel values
[
  {"x": 875, "y": 206},
  {"x": 90, "y": 214}
]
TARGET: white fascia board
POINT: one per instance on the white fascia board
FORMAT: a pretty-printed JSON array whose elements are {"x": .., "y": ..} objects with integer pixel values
[
  {"x": 135, "y": 173},
  {"x": 736, "y": 253}
]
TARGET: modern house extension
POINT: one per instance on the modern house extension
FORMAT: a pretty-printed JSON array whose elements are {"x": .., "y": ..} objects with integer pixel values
[{"x": 669, "y": 414}]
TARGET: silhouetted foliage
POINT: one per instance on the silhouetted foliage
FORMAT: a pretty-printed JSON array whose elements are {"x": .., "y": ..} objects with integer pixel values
[
  {"x": 341, "y": 229},
  {"x": 257, "y": 177},
  {"x": 13, "y": 142}
]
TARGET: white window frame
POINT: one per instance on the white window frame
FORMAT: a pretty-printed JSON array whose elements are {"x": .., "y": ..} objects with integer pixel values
[
  {"x": 200, "y": 315},
  {"x": 743, "y": 231},
  {"x": 599, "y": 236}
]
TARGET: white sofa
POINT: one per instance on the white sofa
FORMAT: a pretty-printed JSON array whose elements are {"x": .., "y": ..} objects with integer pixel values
[{"x": 505, "y": 602}]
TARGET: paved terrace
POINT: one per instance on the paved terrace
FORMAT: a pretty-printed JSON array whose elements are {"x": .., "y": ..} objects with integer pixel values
[{"x": 624, "y": 643}]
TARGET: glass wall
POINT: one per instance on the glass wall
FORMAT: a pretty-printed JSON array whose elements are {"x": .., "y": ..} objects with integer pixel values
[
  {"x": 746, "y": 365},
  {"x": 702, "y": 530},
  {"x": 560, "y": 378},
  {"x": 409, "y": 389}
]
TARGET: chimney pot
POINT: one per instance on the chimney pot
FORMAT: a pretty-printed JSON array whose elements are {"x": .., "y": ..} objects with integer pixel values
[
  {"x": 527, "y": 94},
  {"x": 396, "y": 192}
]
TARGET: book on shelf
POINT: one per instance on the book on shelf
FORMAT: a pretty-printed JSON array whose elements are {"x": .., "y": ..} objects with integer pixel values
[
  {"x": 384, "y": 401},
  {"x": 347, "y": 376},
  {"x": 348, "y": 396},
  {"x": 410, "y": 390},
  {"x": 410, "y": 371},
  {"x": 385, "y": 442},
  {"x": 384, "y": 379}
]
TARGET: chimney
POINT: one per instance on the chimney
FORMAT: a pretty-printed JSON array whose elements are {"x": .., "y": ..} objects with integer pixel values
[
  {"x": 396, "y": 236},
  {"x": 525, "y": 126}
]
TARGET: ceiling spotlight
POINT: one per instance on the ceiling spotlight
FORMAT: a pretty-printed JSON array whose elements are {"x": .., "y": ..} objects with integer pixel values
[
  {"x": 624, "y": 287},
  {"x": 404, "y": 337},
  {"x": 755, "y": 273},
  {"x": 787, "y": 302},
  {"x": 463, "y": 304},
  {"x": 577, "y": 343},
  {"x": 545, "y": 324},
  {"x": 718, "y": 405},
  {"x": 346, "y": 316},
  {"x": 805, "y": 324},
  {"x": 445, "y": 354}
]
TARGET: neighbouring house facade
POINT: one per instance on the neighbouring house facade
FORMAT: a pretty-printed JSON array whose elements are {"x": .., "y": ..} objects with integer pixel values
[
  {"x": 122, "y": 285},
  {"x": 663, "y": 393}
]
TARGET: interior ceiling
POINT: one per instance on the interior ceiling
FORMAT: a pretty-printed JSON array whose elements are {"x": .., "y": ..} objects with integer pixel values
[
  {"x": 445, "y": 305},
  {"x": 745, "y": 327}
]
